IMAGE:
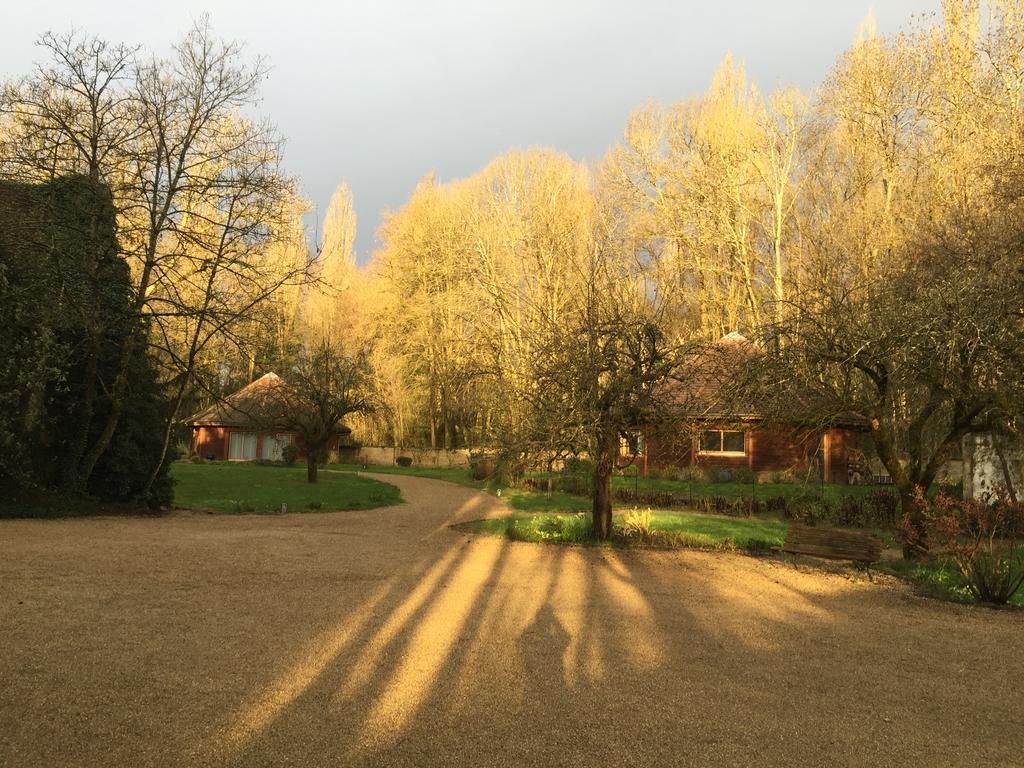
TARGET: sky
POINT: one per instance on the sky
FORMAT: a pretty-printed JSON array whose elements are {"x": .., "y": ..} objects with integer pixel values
[{"x": 381, "y": 92}]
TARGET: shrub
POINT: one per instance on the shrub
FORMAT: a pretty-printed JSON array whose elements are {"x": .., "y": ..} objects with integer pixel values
[
  {"x": 636, "y": 526},
  {"x": 952, "y": 490},
  {"x": 290, "y": 454},
  {"x": 678, "y": 474},
  {"x": 744, "y": 475},
  {"x": 808, "y": 510},
  {"x": 574, "y": 465},
  {"x": 577, "y": 477},
  {"x": 404, "y": 461},
  {"x": 722, "y": 505},
  {"x": 650, "y": 498},
  {"x": 781, "y": 477},
  {"x": 509, "y": 469},
  {"x": 883, "y": 506},
  {"x": 482, "y": 468},
  {"x": 852, "y": 512},
  {"x": 985, "y": 540}
]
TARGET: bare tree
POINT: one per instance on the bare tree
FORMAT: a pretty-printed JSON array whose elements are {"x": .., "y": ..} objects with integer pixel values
[
  {"x": 325, "y": 386},
  {"x": 197, "y": 189},
  {"x": 920, "y": 352}
]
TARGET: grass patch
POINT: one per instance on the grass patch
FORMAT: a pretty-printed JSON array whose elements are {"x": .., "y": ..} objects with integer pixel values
[
  {"x": 520, "y": 500},
  {"x": 679, "y": 529},
  {"x": 251, "y": 488},
  {"x": 459, "y": 475},
  {"x": 938, "y": 578},
  {"x": 556, "y": 501},
  {"x": 830, "y": 492}
]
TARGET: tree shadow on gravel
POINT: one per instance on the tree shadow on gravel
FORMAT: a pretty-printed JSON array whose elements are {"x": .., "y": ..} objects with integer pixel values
[{"x": 501, "y": 653}]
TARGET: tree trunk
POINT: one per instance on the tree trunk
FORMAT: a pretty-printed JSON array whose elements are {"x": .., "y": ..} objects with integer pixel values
[
  {"x": 311, "y": 466},
  {"x": 168, "y": 428},
  {"x": 116, "y": 409},
  {"x": 602, "y": 493},
  {"x": 915, "y": 537},
  {"x": 602, "y": 512}
]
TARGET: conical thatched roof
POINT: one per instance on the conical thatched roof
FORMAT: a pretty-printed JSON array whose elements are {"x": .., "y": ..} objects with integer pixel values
[{"x": 258, "y": 405}]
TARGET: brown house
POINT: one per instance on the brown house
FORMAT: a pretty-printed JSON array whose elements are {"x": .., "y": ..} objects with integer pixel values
[
  {"x": 246, "y": 426},
  {"x": 718, "y": 430}
]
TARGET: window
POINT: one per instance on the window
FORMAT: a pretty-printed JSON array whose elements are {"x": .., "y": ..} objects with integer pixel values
[
  {"x": 273, "y": 446},
  {"x": 242, "y": 446},
  {"x": 723, "y": 441},
  {"x": 631, "y": 445}
]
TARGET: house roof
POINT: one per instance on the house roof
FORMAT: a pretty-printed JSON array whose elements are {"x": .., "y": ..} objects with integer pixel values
[
  {"x": 709, "y": 384},
  {"x": 716, "y": 384},
  {"x": 256, "y": 405}
]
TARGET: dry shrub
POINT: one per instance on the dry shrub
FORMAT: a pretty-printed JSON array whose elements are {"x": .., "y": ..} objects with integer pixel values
[{"x": 984, "y": 538}]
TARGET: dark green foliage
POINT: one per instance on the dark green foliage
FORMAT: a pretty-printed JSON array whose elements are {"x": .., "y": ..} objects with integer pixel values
[
  {"x": 122, "y": 471},
  {"x": 577, "y": 477},
  {"x": 876, "y": 510},
  {"x": 404, "y": 461},
  {"x": 65, "y": 307},
  {"x": 482, "y": 467},
  {"x": 290, "y": 454},
  {"x": 509, "y": 469},
  {"x": 744, "y": 476}
]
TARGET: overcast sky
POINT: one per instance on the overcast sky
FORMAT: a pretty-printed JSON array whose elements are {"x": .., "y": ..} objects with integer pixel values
[{"x": 381, "y": 92}]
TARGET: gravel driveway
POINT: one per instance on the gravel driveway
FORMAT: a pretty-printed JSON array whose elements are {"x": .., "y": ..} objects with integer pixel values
[{"x": 385, "y": 638}]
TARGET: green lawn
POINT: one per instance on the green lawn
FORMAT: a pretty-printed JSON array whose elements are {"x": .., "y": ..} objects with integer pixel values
[
  {"x": 557, "y": 502},
  {"x": 678, "y": 529},
  {"x": 938, "y": 577},
  {"x": 541, "y": 501},
  {"x": 243, "y": 487},
  {"x": 517, "y": 498},
  {"x": 458, "y": 476},
  {"x": 699, "y": 488}
]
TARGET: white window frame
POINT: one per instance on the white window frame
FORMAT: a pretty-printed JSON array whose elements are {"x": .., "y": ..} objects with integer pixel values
[
  {"x": 243, "y": 437},
  {"x": 721, "y": 441},
  {"x": 278, "y": 440}
]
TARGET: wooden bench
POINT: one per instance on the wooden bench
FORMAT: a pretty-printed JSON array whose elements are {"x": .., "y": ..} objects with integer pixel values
[{"x": 833, "y": 544}]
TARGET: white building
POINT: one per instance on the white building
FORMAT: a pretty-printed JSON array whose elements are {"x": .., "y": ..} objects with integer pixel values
[{"x": 987, "y": 460}]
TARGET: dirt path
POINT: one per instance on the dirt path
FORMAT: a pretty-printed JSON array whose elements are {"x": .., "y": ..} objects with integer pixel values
[{"x": 384, "y": 638}]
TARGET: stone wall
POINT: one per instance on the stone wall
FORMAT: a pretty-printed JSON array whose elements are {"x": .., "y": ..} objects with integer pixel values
[
  {"x": 983, "y": 469},
  {"x": 427, "y": 457}
]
